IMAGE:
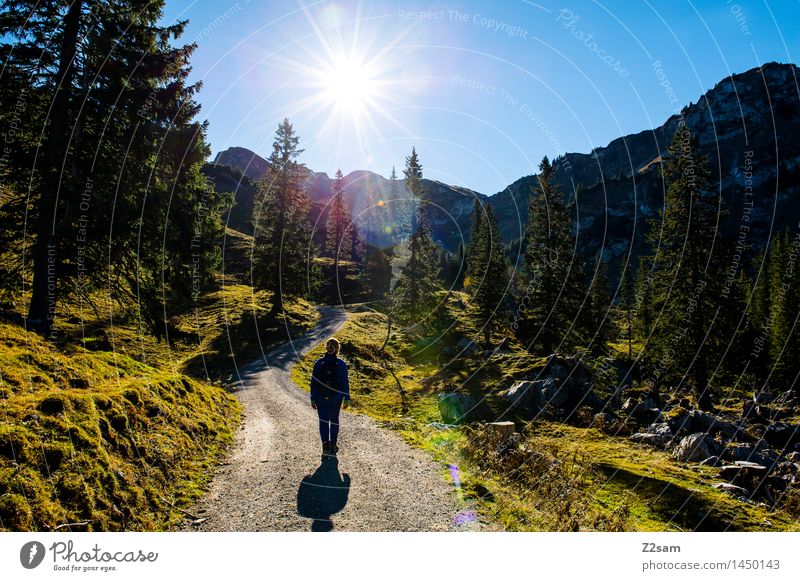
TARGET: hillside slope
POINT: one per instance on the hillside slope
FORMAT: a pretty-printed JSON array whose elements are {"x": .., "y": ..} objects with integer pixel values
[{"x": 98, "y": 441}]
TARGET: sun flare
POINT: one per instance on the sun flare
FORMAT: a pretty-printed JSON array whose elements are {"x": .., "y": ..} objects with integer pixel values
[
  {"x": 349, "y": 84},
  {"x": 349, "y": 75}
]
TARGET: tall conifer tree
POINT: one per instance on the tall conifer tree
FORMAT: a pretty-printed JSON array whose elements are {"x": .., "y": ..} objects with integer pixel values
[
  {"x": 117, "y": 198},
  {"x": 489, "y": 291},
  {"x": 474, "y": 266},
  {"x": 688, "y": 275},
  {"x": 597, "y": 323},
  {"x": 553, "y": 270},
  {"x": 627, "y": 305},
  {"x": 784, "y": 336},
  {"x": 283, "y": 249},
  {"x": 339, "y": 240},
  {"x": 415, "y": 293}
]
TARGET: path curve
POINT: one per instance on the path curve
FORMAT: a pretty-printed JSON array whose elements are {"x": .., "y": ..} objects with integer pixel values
[{"x": 274, "y": 480}]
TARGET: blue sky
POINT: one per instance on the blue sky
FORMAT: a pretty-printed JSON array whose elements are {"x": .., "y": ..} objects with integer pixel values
[{"x": 482, "y": 89}]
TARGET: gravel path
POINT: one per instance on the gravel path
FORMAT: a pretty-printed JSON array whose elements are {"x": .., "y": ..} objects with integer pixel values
[{"x": 274, "y": 480}]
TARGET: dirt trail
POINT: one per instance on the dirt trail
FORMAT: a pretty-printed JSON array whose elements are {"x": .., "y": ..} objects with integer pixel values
[{"x": 274, "y": 479}]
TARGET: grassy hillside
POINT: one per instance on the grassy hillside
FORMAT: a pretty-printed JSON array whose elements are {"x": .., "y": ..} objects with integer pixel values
[
  {"x": 549, "y": 476},
  {"x": 100, "y": 441},
  {"x": 115, "y": 428}
]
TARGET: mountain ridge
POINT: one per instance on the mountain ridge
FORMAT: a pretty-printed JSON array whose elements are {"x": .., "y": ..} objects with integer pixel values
[{"x": 614, "y": 186}]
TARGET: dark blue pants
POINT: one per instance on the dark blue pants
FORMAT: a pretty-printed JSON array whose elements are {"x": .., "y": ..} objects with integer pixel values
[{"x": 328, "y": 411}]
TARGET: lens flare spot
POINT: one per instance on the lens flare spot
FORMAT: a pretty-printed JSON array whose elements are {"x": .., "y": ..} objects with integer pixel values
[
  {"x": 454, "y": 475},
  {"x": 465, "y": 517}
]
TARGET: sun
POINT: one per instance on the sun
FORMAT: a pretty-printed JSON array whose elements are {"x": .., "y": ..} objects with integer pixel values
[
  {"x": 350, "y": 84},
  {"x": 347, "y": 77}
]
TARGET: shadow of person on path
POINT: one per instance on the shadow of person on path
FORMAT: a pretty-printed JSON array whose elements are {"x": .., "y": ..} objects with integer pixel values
[{"x": 323, "y": 494}]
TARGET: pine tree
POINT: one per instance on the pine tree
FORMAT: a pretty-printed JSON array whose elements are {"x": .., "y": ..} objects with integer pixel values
[
  {"x": 761, "y": 300},
  {"x": 779, "y": 295},
  {"x": 376, "y": 274},
  {"x": 451, "y": 269},
  {"x": 644, "y": 302},
  {"x": 356, "y": 246},
  {"x": 460, "y": 270},
  {"x": 283, "y": 249},
  {"x": 759, "y": 314},
  {"x": 412, "y": 174},
  {"x": 474, "y": 267},
  {"x": 688, "y": 276},
  {"x": 597, "y": 323},
  {"x": 412, "y": 180},
  {"x": 784, "y": 336},
  {"x": 738, "y": 329},
  {"x": 490, "y": 292},
  {"x": 553, "y": 271},
  {"x": 416, "y": 290},
  {"x": 339, "y": 239},
  {"x": 124, "y": 206},
  {"x": 49, "y": 229},
  {"x": 343, "y": 241},
  {"x": 399, "y": 213},
  {"x": 771, "y": 336},
  {"x": 626, "y": 303}
]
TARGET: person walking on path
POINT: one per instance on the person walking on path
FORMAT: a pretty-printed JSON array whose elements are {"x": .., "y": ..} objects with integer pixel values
[{"x": 330, "y": 389}]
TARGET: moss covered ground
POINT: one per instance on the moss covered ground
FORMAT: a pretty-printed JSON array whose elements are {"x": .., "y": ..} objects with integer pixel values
[{"x": 100, "y": 441}]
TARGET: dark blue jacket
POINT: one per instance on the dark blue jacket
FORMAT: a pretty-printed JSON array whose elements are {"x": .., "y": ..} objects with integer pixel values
[{"x": 318, "y": 387}]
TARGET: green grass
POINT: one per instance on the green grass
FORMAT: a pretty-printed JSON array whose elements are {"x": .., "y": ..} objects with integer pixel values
[
  {"x": 102, "y": 439},
  {"x": 556, "y": 476},
  {"x": 661, "y": 494}
]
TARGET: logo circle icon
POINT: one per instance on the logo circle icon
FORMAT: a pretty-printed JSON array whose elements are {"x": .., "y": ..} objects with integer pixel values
[{"x": 31, "y": 554}]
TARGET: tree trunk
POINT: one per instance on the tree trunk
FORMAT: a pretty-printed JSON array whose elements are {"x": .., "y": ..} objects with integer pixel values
[
  {"x": 388, "y": 331},
  {"x": 42, "y": 310},
  {"x": 630, "y": 337},
  {"x": 277, "y": 303},
  {"x": 503, "y": 429},
  {"x": 704, "y": 401}
]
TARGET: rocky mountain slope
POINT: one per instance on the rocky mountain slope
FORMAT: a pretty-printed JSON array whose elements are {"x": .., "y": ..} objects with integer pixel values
[{"x": 747, "y": 125}]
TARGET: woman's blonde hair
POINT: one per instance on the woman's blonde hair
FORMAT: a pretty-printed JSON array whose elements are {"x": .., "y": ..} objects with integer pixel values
[{"x": 332, "y": 346}]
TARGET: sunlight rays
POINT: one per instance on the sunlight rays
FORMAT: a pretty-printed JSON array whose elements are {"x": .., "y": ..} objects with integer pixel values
[
  {"x": 350, "y": 85},
  {"x": 349, "y": 76}
]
